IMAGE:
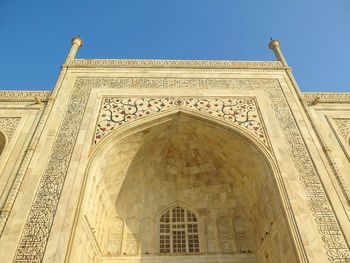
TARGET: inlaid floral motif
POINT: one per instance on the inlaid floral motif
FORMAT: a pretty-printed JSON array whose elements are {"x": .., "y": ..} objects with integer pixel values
[{"x": 241, "y": 111}]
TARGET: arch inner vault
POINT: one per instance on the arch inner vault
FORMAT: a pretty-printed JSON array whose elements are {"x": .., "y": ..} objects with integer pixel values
[{"x": 214, "y": 173}]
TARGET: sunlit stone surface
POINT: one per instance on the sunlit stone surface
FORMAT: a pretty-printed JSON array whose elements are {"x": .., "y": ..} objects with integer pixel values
[{"x": 174, "y": 161}]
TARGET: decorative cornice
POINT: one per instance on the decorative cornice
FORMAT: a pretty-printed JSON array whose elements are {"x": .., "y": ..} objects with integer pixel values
[
  {"x": 12, "y": 95},
  {"x": 142, "y": 63},
  {"x": 326, "y": 97}
]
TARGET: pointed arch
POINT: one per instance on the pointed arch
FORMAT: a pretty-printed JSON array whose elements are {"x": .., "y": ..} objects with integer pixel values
[
  {"x": 129, "y": 128},
  {"x": 178, "y": 229},
  {"x": 240, "y": 111},
  {"x": 115, "y": 140}
]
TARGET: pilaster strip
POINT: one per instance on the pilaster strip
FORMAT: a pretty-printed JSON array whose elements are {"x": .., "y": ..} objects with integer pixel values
[
  {"x": 43, "y": 115},
  {"x": 38, "y": 224}
]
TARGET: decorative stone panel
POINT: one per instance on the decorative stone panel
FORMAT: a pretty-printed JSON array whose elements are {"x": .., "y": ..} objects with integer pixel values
[
  {"x": 343, "y": 126},
  {"x": 240, "y": 111},
  {"x": 9, "y": 125}
]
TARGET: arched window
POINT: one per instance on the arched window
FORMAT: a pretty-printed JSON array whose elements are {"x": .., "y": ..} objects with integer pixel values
[
  {"x": 2, "y": 142},
  {"x": 178, "y": 231}
]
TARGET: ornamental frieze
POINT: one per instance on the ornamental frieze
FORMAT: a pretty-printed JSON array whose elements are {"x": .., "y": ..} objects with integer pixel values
[
  {"x": 177, "y": 83},
  {"x": 174, "y": 63},
  {"x": 23, "y": 95},
  {"x": 327, "y": 97},
  {"x": 240, "y": 111}
]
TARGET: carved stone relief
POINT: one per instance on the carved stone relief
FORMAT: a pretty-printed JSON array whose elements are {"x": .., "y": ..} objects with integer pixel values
[
  {"x": 343, "y": 126},
  {"x": 173, "y": 63},
  {"x": 115, "y": 237},
  {"x": 9, "y": 125},
  {"x": 226, "y": 239},
  {"x": 339, "y": 127},
  {"x": 23, "y": 95},
  {"x": 131, "y": 244},
  {"x": 326, "y": 97},
  {"x": 241, "y": 234},
  {"x": 38, "y": 225},
  {"x": 241, "y": 111}
]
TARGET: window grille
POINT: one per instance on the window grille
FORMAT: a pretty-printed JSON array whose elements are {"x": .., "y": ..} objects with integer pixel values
[{"x": 178, "y": 229}]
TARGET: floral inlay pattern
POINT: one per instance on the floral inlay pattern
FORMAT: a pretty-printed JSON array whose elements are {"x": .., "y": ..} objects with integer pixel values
[{"x": 241, "y": 111}]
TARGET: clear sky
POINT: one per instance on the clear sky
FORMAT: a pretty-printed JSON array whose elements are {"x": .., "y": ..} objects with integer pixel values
[{"x": 315, "y": 35}]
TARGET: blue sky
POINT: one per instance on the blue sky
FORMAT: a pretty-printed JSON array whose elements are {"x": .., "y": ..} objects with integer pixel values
[{"x": 315, "y": 35}]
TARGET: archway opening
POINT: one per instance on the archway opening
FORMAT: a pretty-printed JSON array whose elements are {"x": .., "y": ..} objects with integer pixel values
[{"x": 216, "y": 174}]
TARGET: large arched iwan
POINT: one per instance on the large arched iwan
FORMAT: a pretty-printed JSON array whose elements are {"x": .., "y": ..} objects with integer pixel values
[{"x": 226, "y": 175}]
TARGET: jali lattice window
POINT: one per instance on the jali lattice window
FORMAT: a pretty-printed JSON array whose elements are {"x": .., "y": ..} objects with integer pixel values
[{"x": 178, "y": 229}]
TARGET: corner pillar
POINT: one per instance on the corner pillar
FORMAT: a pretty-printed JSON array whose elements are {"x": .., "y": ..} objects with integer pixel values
[
  {"x": 77, "y": 42},
  {"x": 275, "y": 46}
]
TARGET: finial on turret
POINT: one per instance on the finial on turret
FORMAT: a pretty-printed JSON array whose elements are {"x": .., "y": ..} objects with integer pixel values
[
  {"x": 275, "y": 46},
  {"x": 274, "y": 43},
  {"x": 76, "y": 40},
  {"x": 76, "y": 43}
]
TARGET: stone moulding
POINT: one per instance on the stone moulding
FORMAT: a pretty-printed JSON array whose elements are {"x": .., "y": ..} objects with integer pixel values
[
  {"x": 23, "y": 95},
  {"x": 240, "y": 111},
  {"x": 329, "y": 155},
  {"x": 125, "y": 63},
  {"x": 35, "y": 235},
  {"x": 327, "y": 97}
]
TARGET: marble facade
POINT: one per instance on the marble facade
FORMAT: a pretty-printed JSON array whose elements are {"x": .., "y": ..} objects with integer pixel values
[{"x": 88, "y": 169}]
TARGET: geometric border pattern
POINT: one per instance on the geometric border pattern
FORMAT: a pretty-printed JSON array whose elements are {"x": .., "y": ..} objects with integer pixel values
[
  {"x": 23, "y": 95},
  {"x": 144, "y": 63},
  {"x": 39, "y": 222},
  {"x": 327, "y": 97}
]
